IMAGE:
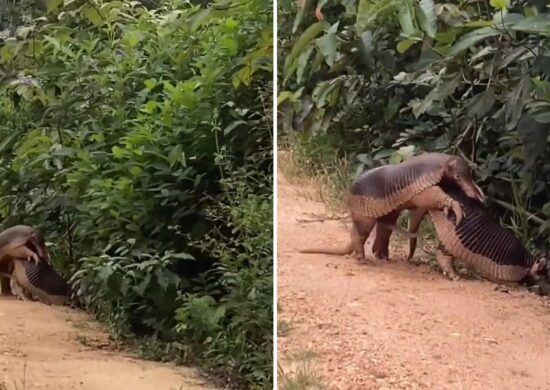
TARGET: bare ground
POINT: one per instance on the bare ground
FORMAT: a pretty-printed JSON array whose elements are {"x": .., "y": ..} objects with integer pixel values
[
  {"x": 49, "y": 347},
  {"x": 396, "y": 325}
]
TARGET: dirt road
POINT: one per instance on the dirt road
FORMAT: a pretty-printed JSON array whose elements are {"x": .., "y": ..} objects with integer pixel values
[
  {"x": 395, "y": 325},
  {"x": 48, "y": 347}
]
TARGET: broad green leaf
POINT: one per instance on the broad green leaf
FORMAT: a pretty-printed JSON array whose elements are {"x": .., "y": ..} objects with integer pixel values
[
  {"x": 174, "y": 155},
  {"x": 534, "y": 138},
  {"x": 404, "y": 45},
  {"x": 448, "y": 36},
  {"x": 93, "y": 14},
  {"x": 286, "y": 95},
  {"x": 542, "y": 117},
  {"x": 421, "y": 106},
  {"x": 546, "y": 209},
  {"x": 306, "y": 37},
  {"x": 135, "y": 170},
  {"x": 481, "y": 104},
  {"x": 302, "y": 6},
  {"x": 505, "y": 20},
  {"x": 328, "y": 44},
  {"x": 406, "y": 151},
  {"x": 516, "y": 101},
  {"x": 52, "y": 5},
  {"x": 426, "y": 17},
  {"x": 118, "y": 152},
  {"x": 142, "y": 287},
  {"x": 321, "y": 93},
  {"x": 132, "y": 38},
  {"x": 407, "y": 18},
  {"x": 391, "y": 109},
  {"x": 448, "y": 85},
  {"x": 34, "y": 48},
  {"x": 472, "y": 38},
  {"x": 6, "y": 53},
  {"x": 132, "y": 227},
  {"x": 200, "y": 18},
  {"x": 243, "y": 76},
  {"x": 150, "y": 84},
  {"x": 303, "y": 62},
  {"x": 539, "y": 24},
  {"x": 479, "y": 23},
  {"x": 367, "y": 15},
  {"x": 232, "y": 126},
  {"x": 150, "y": 106},
  {"x": 183, "y": 256},
  {"x": 500, "y": 4}
]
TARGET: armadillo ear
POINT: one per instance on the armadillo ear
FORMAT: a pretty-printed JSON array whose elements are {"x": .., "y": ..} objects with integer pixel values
[{"x": 450, "y": 167}]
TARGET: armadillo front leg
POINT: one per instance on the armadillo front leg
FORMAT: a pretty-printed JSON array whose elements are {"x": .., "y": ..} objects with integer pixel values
[
  {"x": 445, "y": 261},
  {"x": 435, "y": 198},
  {"x": 416, "y": 217}
]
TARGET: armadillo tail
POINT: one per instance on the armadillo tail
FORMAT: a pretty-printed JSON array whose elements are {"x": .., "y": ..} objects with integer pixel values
[{"x": 347, "y": 250}]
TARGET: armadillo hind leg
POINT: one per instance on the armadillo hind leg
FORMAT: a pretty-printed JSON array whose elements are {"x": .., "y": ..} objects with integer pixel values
[
  {"x": 445, "y": 261},
  {"x": 380, "y": 247},
  {"x": 362, "y": 227},
  {"x": 19, "y": 291},
  {"x": 5, "y": 286}
]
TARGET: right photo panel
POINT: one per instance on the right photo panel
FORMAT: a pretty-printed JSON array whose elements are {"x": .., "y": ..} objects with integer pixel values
[{"x": 413, "y": 194}]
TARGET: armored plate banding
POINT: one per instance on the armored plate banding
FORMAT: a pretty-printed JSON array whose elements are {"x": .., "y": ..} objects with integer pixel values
[
  {"x": 40, "y": 280},
  {"x": 379, "y": 191},
  {"x": 479, "y": 240}
]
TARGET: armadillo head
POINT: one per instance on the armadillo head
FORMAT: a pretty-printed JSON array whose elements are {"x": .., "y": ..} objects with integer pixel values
[
  {"x": 458, "y": 171},
  {"x": 540, "y": 266},
  {"x": 37, "y": 244},
  {"x": 18, "y": 239}
]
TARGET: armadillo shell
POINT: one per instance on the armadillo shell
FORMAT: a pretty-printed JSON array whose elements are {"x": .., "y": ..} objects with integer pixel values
[
  {"x": 43, "y": 277},
  {"x": 382, "y": 190},
  {"x": 482, "y": 242}
]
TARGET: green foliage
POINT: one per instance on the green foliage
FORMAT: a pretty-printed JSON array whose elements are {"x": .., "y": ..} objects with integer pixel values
[
  {"x": 235, "y": 332},
  {"x": 409, "y": 76},
  {"x": 126, "y": 135}
]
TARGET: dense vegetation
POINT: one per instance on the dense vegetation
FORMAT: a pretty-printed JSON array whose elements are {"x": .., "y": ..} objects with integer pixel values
[
  {"x": 376, "y": 80},
  {"x": 137, "y": 137}
]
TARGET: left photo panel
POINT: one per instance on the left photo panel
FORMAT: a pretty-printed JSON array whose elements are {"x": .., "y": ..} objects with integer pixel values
[{"x": 136, "y": 194}]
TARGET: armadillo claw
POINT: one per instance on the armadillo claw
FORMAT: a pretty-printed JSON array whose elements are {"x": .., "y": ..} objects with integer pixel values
[
  {"x": 35, "y": 257},
  {"x": 452, "y": 276},
  {"x": 457, "y": 211}
]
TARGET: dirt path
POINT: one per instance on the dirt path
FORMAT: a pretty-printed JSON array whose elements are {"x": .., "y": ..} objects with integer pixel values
[
  {"x": 395, "y": 325},
  {"x": 48, "y": 347}
]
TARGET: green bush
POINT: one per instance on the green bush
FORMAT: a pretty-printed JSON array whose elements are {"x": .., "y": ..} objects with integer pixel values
[
  {"x": 127, "y": 136},
  {"x": 379, "y": 80}
]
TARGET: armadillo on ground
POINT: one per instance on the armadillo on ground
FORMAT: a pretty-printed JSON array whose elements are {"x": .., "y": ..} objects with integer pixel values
[
  {"x": 39, "y": 280},
  {"x": 411, "y": 184},
  {"x": 480, "y": 241}
]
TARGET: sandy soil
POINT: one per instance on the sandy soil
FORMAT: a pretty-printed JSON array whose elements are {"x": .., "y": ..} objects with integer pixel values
[
  {"x": 396, "y": 325},
  {"x": 48, "y": 347}
]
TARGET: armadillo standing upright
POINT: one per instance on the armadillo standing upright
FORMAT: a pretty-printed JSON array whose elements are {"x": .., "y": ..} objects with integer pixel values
[
  {"x": 22, "y": 242},
  {"x": 381, "y": 193}
]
